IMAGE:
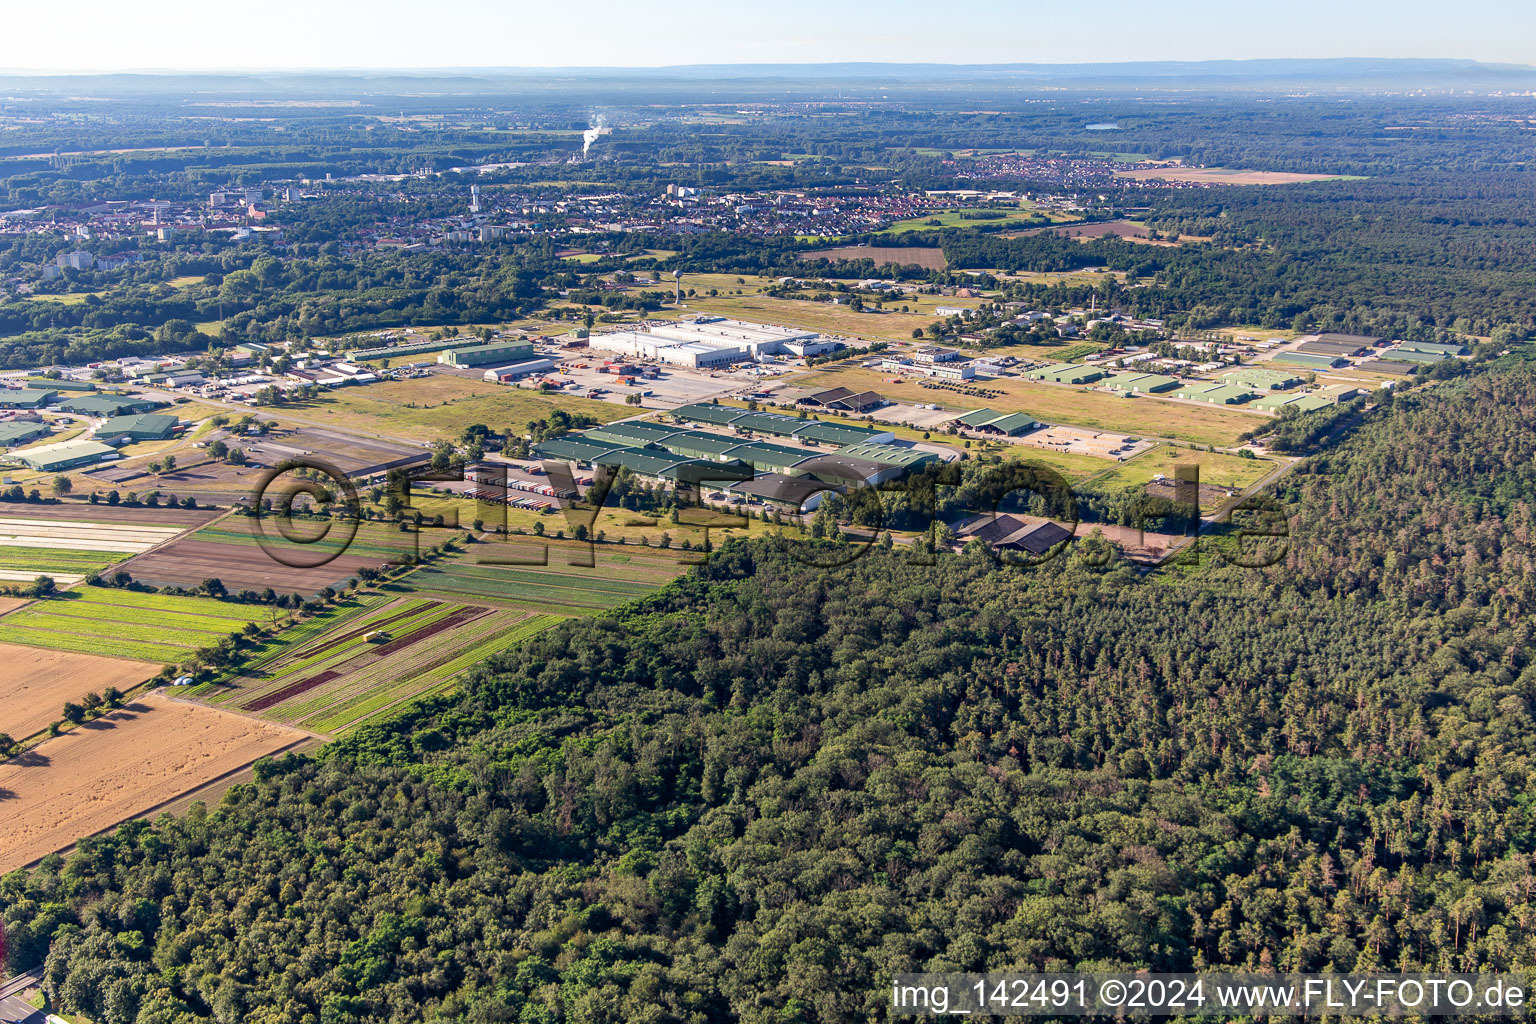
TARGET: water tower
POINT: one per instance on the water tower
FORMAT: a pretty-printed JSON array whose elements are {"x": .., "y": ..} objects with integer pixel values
[{"x": 677, "y": 279}]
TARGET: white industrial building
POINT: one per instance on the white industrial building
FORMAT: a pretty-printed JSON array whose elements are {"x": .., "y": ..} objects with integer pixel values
[{"x": 709, "y": 342}]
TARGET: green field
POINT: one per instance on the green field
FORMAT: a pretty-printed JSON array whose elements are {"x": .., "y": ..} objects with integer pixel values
[
  {"x": 619, "y": 574},
  {"x": 70, "y": 560},
  {"x": 373, "y": 539},
  {"x": 439, "y": 406},
  {"x": 957, "y": 219},
  {"x": 126, "y": 623},
  {"x": 1216, "y": 468}
]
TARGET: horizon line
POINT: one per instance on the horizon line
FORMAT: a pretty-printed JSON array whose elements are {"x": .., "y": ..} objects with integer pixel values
[{"x": 465, "y": 70}]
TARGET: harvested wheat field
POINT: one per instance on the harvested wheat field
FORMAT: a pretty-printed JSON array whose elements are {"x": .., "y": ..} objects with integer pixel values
[
  {"x": 10, "y": 604},
  {"x": 1223, "y": 175},
  {"x": 36, "y": 683},
  {"x": 120, "y": 766}
]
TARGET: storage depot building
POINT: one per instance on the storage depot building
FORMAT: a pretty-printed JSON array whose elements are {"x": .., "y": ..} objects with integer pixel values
[
  {"x": 54, "y": 458},
  {"x": 108, "y": 405},
  {"x": 990, "y": 421},
  {"x": 142, "y": 427},
  {"x": 20, "y": 432},
  {"x": 498, "y": 353},
  {"x": 1067, "y": 373},
  {"x": 25, "y": 398}
]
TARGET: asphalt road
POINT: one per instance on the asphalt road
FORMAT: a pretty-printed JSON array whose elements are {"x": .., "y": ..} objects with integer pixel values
[{"x": 14, "y": 1011}]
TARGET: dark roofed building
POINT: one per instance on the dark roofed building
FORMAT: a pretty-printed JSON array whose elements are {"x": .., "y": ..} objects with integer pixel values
[
  {"x": 823, "y": 397},
  {"x": 1332, "y": 348},
  {"x": 1038, "y": 540},
  {"x": 1358, "y": 340},
  {"x": 853, "y": 472},
  {"x": 1389, "y": 366},
  {"x": 864, "y": 401},
  {"x": 790, "y": 491},
  {"x": 998, "y": 529}
]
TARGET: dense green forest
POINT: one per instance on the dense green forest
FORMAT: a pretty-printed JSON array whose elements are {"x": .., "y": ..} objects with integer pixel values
[{"x": 758, "y": 793}]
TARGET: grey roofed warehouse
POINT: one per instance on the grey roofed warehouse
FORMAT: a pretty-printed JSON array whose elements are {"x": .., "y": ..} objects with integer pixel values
[
  {"x": 846, "y": 470},
  {"x": 796, "y": 492}
]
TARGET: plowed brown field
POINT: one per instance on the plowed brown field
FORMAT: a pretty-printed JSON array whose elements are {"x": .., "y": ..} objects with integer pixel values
[
  {"x": 120, "y": 766},
  {"x": 189, "y": 562},
  {"x": 35, "y": 683}
]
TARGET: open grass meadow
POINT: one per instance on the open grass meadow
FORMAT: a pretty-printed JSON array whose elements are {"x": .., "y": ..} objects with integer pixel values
[
  {"x": 1217, "y": 469},
  {"x": 819, "y": 316},
  {"x": 128, "y": 624},
  {"x": 1143, "y": 416},
  {"x": 439, "y": 406}
]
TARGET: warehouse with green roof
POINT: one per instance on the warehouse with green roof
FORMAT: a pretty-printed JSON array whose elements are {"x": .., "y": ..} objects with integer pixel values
[
  {"x": 780, "y": 425},
  {"x": 1067, "y": 373},
  {"x": 1444, "y": 348},
  {"x": 823, "y": 432},
  {"x": 771, "y": 458},
  {"x": 1311, "y": 360},
  {"x": 1261, "y": 379},
  {"x": 708, "y": 412},
  {"x": 1273, "y": 402},
  {"x": 907, "y": 459},
  {"x": 632, "y": 433},
  {"x": 990, "y": 421},
  {"x": 1139, "y": 383},
  {"x": 20, "y": 432},
  {"x": 1216, "y": 394},
  {"x": 1414, "y": 355},
  {"x": 1309, "y": 403},
  {"x": 140, "y": 427},
  {"x": 25, "y": 398},
  {"x": 488, "y": 355},
  {"x": 700, "y": 444},
  {"x": 55, "y": 458},
  {"x": 109, "y": 405},
  {"x": 572, "y": 448}
]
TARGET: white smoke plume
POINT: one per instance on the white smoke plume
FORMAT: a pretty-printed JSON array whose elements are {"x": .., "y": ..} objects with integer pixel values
[{"x": 599, "y": 127}]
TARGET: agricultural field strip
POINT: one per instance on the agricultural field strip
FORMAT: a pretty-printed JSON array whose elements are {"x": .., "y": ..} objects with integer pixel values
[
  {"x": 202, "y": 621},
  {"x": 151, "y": 627},
  {"x": 272, "y": 669},
  {"x": 332, "y": 648},
  {"x": 545, "y": 597},
  {"x": 595, "y": 579},
  {"x": 108, "y": 647},
  {"x": 30, "y": 555},
  {"x": 422, "y": 632},
  {"x": 54, "y": 533},
  {"x": 559, "y": 588},
  {"x": 359, "y": 545},
  {"x": 405, "y": 671},
  {"x": 166, "y": 602},
  {"x": 84, "y": 625},
  {"x": 68, "y": 579}
]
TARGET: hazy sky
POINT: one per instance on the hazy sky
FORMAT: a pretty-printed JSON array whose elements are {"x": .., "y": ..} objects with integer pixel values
[{"x": 113, "y": 34}]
